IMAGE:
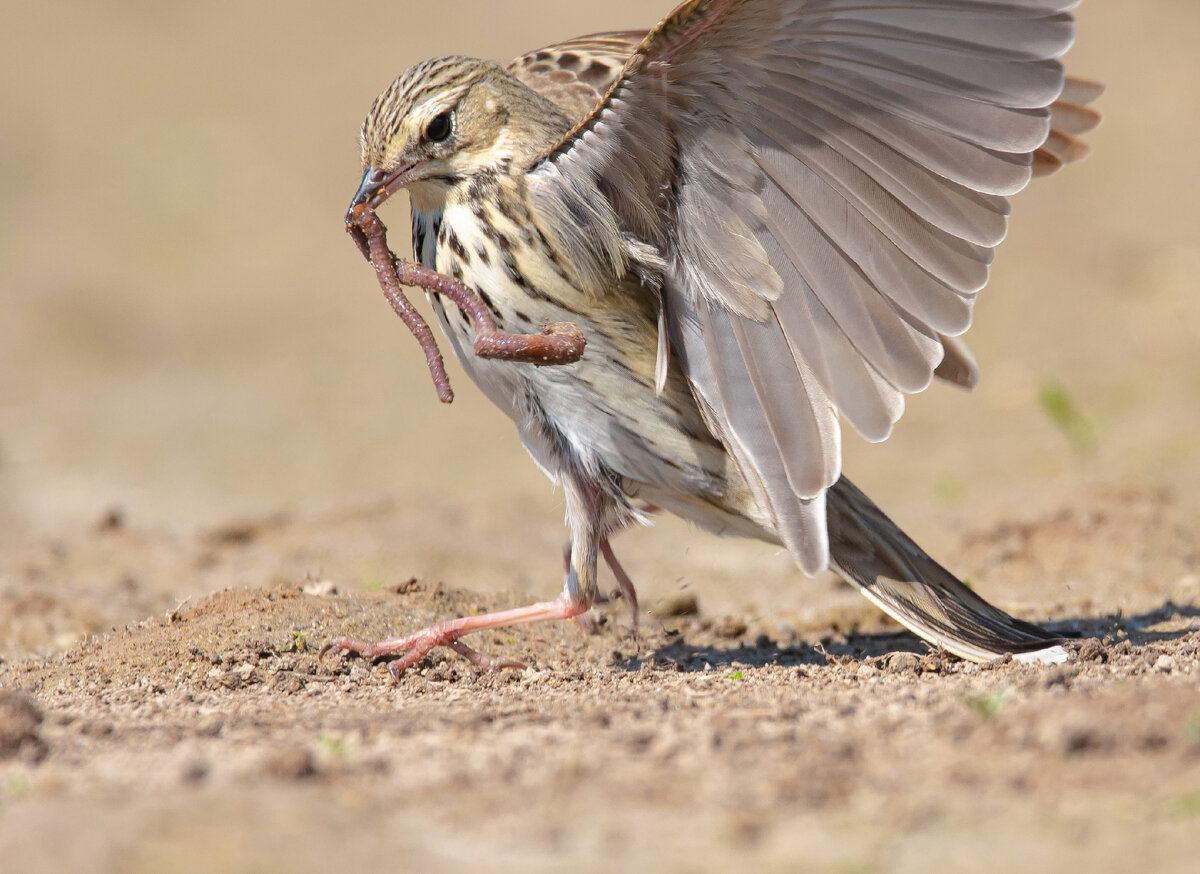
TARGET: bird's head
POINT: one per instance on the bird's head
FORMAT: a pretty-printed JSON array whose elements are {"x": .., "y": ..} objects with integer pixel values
[{"x": 442, "y": 121}]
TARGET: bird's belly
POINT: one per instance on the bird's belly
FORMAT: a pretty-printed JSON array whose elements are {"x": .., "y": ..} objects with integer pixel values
[{"x": 601, "y": 413}]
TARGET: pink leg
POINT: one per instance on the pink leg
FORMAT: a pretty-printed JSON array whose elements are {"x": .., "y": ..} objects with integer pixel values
[
  {"x": 627, "y": 590},
  {"x": 589, "y": 507},
  {"x": 586, "y": 622},
  {"x": 623, "y": 580},
  {"x": 418, "y": 644}
]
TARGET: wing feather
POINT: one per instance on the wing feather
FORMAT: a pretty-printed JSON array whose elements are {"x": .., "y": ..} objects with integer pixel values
[
  {"x": 965, "y": 216},
  {"x": 826, "y": 181},
  {"x": 704, "y": 336},
  {"x": 576, "y": 74},
  {"x": 814, "y": 337}
]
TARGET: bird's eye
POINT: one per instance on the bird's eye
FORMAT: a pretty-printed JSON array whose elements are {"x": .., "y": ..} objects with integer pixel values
[{"x": 439, "y": 127}]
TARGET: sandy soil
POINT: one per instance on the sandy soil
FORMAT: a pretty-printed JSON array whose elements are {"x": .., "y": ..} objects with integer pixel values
[{"x": 218, "y": 449}]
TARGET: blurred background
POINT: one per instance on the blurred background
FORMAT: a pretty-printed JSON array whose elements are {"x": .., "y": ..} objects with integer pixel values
[{"x": 188, "y": 334}]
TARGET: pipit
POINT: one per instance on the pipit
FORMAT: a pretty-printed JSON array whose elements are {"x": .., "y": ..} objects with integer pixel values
[{"x": 677, "y": 259}]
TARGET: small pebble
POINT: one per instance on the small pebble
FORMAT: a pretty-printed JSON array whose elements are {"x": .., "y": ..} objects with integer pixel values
[
  {"x": 900, "y": 662},
  {"x": 1091, "y": 650},
  {"x": 291, "y": 763},
  {"x": 684, "y": 604},
  {"x": 194, "y": 771},
  {"x": 730, "y": 626},
  {"x": 210, "y": 726},
  {"x": 20, "y": 718}
]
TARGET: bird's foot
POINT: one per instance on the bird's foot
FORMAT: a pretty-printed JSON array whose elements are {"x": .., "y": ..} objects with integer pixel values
[
  {"x": 419, "y": 644},
  {"x": 416, "y": 646}
]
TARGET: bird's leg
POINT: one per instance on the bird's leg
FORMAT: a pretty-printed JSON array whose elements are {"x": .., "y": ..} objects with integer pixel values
[
  {"x": 623, "y": 580},
  {"x": 577, "y": 597},
  {"x": 419, "y": 644},
  {"x": 628, "y": 592},
  {"x": 585, "y": 621},
  {"x": 558, "y": 343}
]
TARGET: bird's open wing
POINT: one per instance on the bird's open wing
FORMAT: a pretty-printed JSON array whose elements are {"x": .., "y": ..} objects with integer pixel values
[{"x": 826, "y": 181}]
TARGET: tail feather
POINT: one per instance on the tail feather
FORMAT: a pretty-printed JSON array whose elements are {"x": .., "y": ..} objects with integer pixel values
[{"x": 870, "y": 550}]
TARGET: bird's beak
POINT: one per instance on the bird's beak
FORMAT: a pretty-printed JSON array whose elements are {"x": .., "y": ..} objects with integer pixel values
[
  {"x": 377, "y": 186},
  {"x": 374, "y": 182}
]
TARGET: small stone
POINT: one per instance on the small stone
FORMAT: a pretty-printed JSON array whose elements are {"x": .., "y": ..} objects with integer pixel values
[
  {"x": 901, "y": 662},
  {"x": 289, "y": 683},
  {"x": 210, "y": 726},
  {"x": 291, "y": 763},
  {"x": 1164, "y": 664},
  {"x": 730, "y": 626},
  {"x": 683, "y": 604},
  {"x": 112, "y": 519},
  {"x": 194, "y": 771},
  {"x": 1078, "y": 739},
  {"x": 20, "y": 718},
  {"x": 408, "y": 587}
]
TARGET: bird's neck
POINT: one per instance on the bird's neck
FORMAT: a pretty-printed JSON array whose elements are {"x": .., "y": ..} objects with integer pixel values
[
  {"x": 429, "y": 200},
  {"x": 429, "y": 195}
]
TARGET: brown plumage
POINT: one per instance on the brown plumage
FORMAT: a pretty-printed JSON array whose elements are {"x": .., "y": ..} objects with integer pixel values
[{"x": 765, "y": 216}]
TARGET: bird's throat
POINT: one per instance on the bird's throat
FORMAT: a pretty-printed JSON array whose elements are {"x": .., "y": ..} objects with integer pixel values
[
  {"x": 428, "y": 195},
  {"x": 425, "y": 227}
]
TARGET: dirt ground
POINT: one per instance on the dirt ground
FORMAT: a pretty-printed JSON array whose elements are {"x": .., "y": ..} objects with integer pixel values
[{"x": 218, "y": 449}]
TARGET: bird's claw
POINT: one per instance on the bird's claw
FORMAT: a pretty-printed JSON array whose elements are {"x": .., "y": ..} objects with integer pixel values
[{"x": 415, "y": 647}]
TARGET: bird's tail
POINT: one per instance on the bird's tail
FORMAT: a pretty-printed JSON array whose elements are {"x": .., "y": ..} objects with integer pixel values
[{"x": 870, "y": 550}]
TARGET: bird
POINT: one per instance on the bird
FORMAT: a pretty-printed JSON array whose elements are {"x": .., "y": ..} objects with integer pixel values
[{"x": 764, "y": 217}]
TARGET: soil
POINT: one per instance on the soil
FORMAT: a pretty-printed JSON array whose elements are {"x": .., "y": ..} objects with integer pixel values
[{"x": 218, "y": 451}]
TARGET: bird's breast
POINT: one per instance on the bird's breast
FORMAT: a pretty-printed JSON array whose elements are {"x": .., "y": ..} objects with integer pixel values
[{"x": 602, "y": 410}]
